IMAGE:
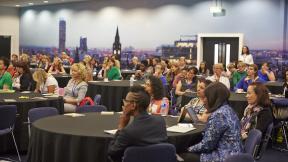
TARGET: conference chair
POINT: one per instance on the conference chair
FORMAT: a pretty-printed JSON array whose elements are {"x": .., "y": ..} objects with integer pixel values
[
  {"x": 241, "y": 157},
  {"x": 90, "y": 108},
  {"x": 97, "y": 99},
  {"x": 252, "y": 142},
  {"x": 265, "y": 141},
  {"x": 38, "y": 113},
  {"x": 7, "y": 121},
  {"x": 152, "y": 153}
]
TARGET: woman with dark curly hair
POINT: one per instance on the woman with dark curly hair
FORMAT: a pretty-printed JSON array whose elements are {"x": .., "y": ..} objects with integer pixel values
[{"x": 158, "y": 104}]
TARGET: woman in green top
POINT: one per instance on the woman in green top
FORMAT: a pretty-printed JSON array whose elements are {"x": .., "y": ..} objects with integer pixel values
[
  {"x": 5, "y": 77},
  {"x": 113, "y": 72}
]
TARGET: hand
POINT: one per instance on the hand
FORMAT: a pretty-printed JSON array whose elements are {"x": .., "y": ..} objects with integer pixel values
[
  {"x": 204, "y": 117},
  {"x": 239, "y": 90},
  {"x": 124, "y": 120}
]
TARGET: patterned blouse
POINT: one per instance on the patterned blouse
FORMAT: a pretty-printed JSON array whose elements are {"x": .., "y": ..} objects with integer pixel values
[{"x": 221, "y": 136}]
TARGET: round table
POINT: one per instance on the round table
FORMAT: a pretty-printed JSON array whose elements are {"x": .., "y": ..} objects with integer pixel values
[
  {"x": 23, "y": 106},
  {"x": 65, "y": 138},
  {"x": 62, "y": 79},
  {"x": 111, "y": 92},
  {"x": 237, "y": 101},
  {"x": 275, "y": 87}
]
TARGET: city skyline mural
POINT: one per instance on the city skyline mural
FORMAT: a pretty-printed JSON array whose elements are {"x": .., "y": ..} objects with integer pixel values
[{"x": 146, "y": 27}]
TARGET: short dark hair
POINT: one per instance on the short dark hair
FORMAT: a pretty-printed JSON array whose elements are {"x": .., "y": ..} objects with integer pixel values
[
  {"x": 143, "y": 99},
  {"x": 157, "y": 87},
  {"x": 205, "y": 81},
  {"x": 217, "y": 94},
  {"x": 194, "y": 69},
  {"x": 262, "y": 94},
  {"x": 5, "y": 61},
  {"x": 24, "y": 66}
]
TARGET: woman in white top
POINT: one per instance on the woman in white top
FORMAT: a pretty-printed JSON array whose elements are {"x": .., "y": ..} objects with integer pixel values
[
  {"x": 45, "y": 82},
  {"x": 76, "y": 88},
  {"x": 246, "y": 57}
]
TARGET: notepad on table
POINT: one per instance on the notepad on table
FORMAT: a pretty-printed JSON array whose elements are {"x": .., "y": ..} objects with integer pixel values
[
  {"x": 112, "y": 131},
  {"x": 180, "y": 128},
  {"x": 9, "y": 100},
  {"x": 107, "y": 113},
  {"x": 74, "y": 114}
]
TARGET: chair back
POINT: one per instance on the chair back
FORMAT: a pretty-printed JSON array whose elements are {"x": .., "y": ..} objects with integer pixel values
[
  {"x": 242, "y": 157},
  {"x": 265, "y": 141},
  {"x": 97, "y": 99},
  {"x": 252, "y": 142},
  {"x": 152, "y": 153},
  {"x": 7, "y": 116},
  {"x": 90, "y": 108},
  {"x": 41, "y": 112}
]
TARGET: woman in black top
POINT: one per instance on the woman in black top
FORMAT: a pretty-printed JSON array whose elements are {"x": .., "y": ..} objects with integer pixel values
[{"x": 26, "y": 81}]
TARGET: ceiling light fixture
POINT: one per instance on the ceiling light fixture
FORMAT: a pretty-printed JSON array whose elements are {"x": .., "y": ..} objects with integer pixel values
[
  {"x": 31, "y": 4},
  {"x": 45, "y": 1},
  {"x": 217, "y": 8},
  {"x": 17, "y": 5}
]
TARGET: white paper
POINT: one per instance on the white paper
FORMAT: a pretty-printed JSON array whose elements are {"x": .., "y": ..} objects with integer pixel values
[
  {"x": 9, "y": 100},
  {"x": 112, "y": 131},
  {"x": 74, "y": 114},
  {"x": 107, "y": 113},
  {"x": 180, "y": 129}
]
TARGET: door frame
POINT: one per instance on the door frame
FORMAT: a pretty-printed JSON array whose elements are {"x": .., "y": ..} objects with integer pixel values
[
  {"x": 201, "y": 36},
  {"x": 12, "y": 44}
]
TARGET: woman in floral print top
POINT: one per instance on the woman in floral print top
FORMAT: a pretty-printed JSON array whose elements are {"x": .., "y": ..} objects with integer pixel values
[{"x": 221, "y": 136}]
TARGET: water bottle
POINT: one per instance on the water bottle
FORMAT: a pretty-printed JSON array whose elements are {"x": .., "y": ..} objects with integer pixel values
[
  {"x": 163, "y": 108},
  {"x": 132, "y": 80}
]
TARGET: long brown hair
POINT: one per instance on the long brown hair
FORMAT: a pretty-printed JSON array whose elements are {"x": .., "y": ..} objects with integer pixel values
[
  {"x": 217, "y": 94},
  {"x": 262, "y": 94}
]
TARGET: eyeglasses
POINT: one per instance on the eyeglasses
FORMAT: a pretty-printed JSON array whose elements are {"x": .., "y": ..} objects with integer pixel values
[{"x": 127, "y": 101}]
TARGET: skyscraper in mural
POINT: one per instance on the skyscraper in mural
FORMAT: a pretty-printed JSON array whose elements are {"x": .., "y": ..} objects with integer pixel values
[
  {"x": 62, "y": 35},
  {"x": 117, "y": 45},
  {"x": 83, "y": 44}
]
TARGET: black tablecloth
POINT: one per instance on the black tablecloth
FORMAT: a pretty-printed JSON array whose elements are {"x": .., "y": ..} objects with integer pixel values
[
  {"x": 64, "y": 138},
  {"x": 23, "y": 106},
  {"x": 62, "y": 79},
  {"x": 275, "y": 87},
  {"x": 111, "y": 92},
  {"x": 126, "y": 74},
  {"x": 237, "y": 101}
]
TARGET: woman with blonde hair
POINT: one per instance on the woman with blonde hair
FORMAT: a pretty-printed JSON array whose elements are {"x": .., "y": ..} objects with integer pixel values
[
  {"x": 45, "y": 82},
  {"x": 57, "y": 67},
  {"x": 76, "y": 88},
  {"x": 87, "y": 63}
]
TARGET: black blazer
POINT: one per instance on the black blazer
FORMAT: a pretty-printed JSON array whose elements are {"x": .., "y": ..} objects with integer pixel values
[
  {"x": 26, "y": 82},
  {"x": 144, "y": 130}
]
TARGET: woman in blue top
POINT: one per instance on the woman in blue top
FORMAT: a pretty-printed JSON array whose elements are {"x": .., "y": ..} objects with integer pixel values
[
  {"x": 265, "y": 74},
  {"x": 251, "y": 77},
  {"x": 221, "y": 137}
]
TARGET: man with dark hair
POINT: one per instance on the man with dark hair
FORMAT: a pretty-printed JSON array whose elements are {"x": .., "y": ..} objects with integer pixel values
[
  {"x": 5, "y": 77},
  {"x": 144, "y": 130}
]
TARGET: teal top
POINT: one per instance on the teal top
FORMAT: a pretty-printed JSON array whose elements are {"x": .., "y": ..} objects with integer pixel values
[
  {"x": 114, "y": 73},
  {"x": 6, "y": 79}
]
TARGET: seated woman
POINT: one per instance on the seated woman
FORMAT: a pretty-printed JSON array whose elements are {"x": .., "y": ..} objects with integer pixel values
[
  {"x": 258, "y": 112},
  {"x": 203, "y": 70},
  {"x": 197, "y": 103},
  {"x": 57, "y": 67},
  {"x": 221, "y": 137},
  {"x": 159, "y": 69},
  {"x": 250, "y": 78},
  {"x": 265, "y": 74},
  {"x": 76, "y": 88},
  {"x": 158, "y": 104},
  {"x": 113, "y": 72},
  {"x": 44, "y": 63},
  {"x": 45, "y": 82},
  {"x": 24, "y": 75}
]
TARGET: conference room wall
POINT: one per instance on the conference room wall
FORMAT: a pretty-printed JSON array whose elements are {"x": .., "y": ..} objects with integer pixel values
[{"x": 9, "y": 25}]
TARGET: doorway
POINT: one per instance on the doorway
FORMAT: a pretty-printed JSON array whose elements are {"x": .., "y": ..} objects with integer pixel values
[{"x": 5, "y": 46}]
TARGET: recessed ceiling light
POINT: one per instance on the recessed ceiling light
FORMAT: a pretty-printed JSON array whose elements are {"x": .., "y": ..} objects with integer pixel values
[
  {"x": 17, "y": 5},
  {"x": 45, "y": 1},
  {"x": 31, "y": 4}
]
